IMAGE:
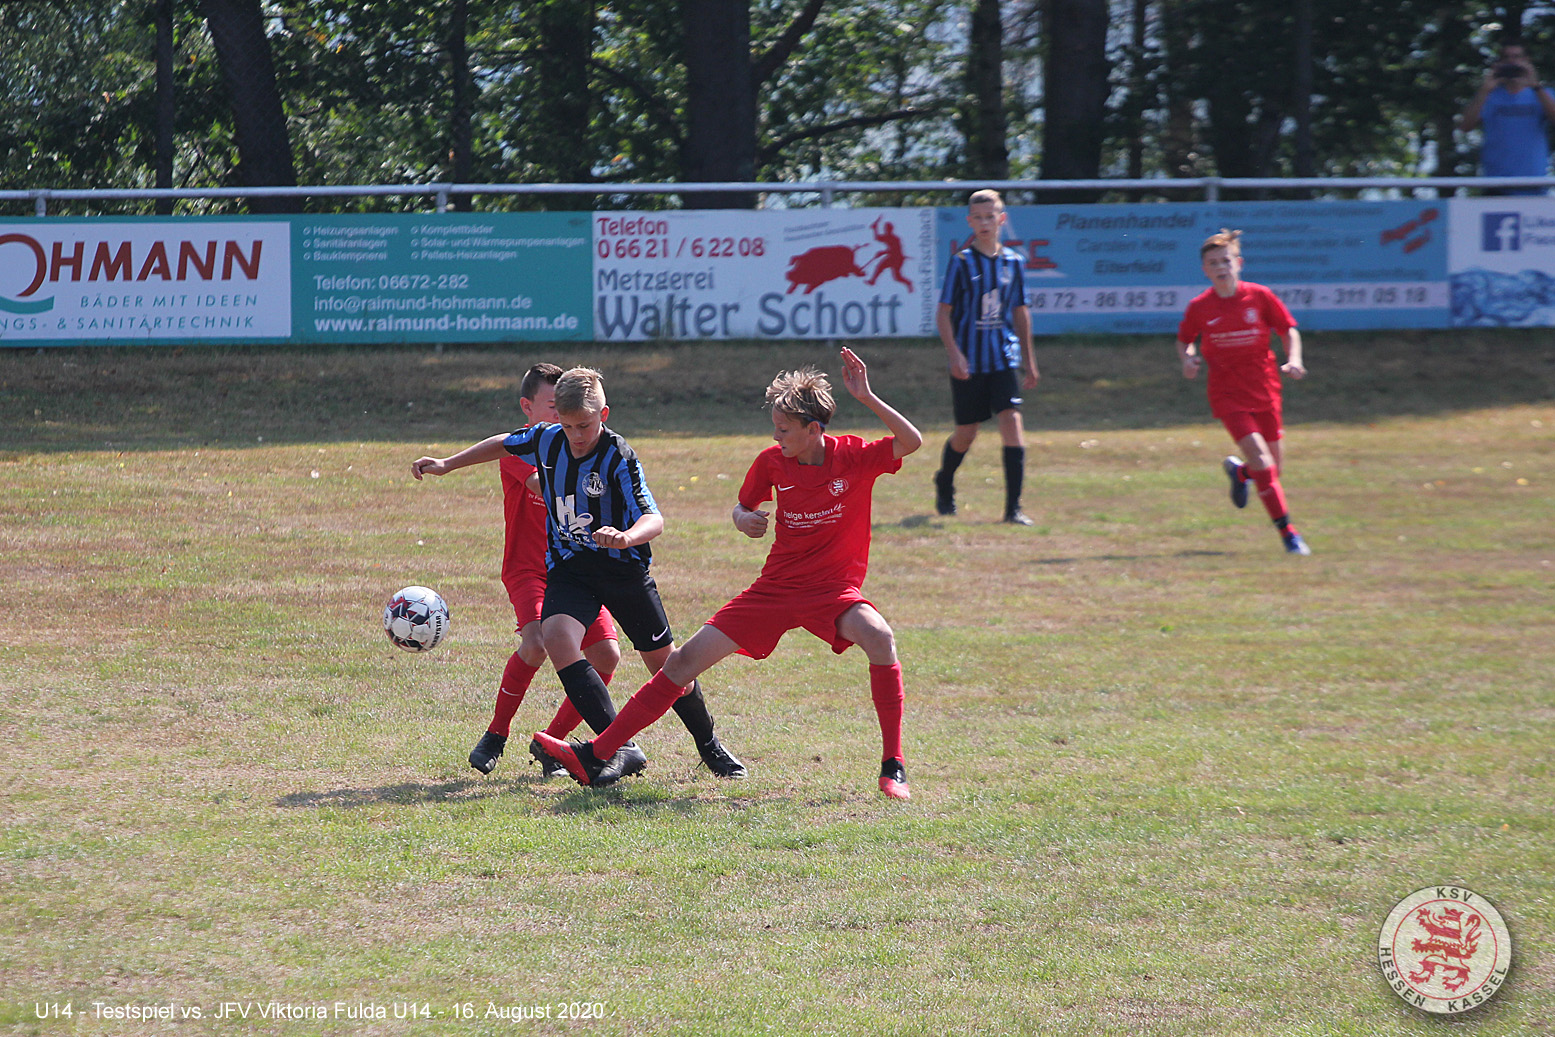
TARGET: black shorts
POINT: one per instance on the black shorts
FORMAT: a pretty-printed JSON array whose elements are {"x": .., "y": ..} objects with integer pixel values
[
  {"x": 978, "y": 397},
  {"x": 577, "y": 587}
]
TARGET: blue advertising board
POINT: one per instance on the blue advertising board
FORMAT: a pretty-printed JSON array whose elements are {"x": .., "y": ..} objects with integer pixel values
[
  {"x": 1133, "y": 268},
  {"x": 453, "y": 277}
]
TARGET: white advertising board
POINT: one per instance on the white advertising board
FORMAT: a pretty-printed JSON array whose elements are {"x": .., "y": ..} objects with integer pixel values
[
  {"x": 106, "y": 280},
  {"x": 782, "y": 274},
  {"x": 1501, "y": 261}
]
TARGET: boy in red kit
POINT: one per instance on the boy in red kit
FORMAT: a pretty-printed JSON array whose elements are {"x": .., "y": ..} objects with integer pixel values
[
  {"x": 1232, "y": 321},
  {"x": 822, "y": 487},
  {"x": 523, "y": 574}
]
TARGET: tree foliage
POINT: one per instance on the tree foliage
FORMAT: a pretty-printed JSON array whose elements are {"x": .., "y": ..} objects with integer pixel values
[{"x": 615, "y": 91}]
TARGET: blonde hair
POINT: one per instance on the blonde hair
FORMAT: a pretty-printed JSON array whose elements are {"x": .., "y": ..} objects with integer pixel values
[
  {"x": 987, "y": 194},
  {"x": 1223, "y": 238},
  {"x": 804, "y": 394},
  {"x": 580, "y": 389}
]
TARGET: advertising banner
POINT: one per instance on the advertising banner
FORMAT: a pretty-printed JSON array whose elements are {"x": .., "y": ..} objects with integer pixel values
[
  {"x": 790, "y": 274},
  {"x": 1501, "y": 261},
  {"x": 1133, "y": 268},
  {"x": 768, "y": 274},
  {"x": 452, "y": 277},
  {"x": 109, "y": 280}
]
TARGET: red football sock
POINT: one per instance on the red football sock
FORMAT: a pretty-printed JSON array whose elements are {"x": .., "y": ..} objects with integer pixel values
[
  {"x": 651, "y": 702},
  {"x": 1269, "y": 491},
  {"x": 885, "y": 687},
  {"x": 566, "y": 719},
  {"x": 515, "y": 681}
]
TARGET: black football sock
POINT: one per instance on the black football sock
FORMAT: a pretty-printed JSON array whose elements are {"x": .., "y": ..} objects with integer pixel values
[
  {"x": 1014, "y": 477},
  {"x": 588, "y": 694},
  {"x": 692, "y": 710},
  {"x": 949, "y": 460}
]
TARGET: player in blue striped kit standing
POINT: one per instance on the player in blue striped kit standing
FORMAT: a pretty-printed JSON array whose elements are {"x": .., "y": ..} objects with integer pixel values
[
  {"x": 600, "y": 519},
  {"x": 985, "y": 325}
]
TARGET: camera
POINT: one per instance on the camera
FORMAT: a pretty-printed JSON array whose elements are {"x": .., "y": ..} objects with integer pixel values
[{"x": 1508, "y": 70}]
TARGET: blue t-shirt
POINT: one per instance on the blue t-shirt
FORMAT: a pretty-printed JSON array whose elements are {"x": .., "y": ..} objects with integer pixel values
[
  {"x": 982, "y": 293},
  {"x": 1515, "y": 139},
  {"x": 605, "y": 487}
]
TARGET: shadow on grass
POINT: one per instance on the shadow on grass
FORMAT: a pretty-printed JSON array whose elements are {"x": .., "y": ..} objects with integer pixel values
[
  {"x": 1129, "y": 558},
  {"x": 653, "y": 800},
  {"x": 644, "y": 800},
  {"x": 157, "y": 398},
  {"x": 406, "y": 793}
]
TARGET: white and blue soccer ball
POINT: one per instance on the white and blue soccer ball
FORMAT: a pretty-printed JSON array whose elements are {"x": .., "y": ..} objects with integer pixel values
[{"x": 416, "y": 619}]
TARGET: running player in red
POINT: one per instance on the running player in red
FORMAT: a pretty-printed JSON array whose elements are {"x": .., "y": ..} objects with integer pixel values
[
  {"x": 823, "y": 487},
  {"x": 1231, "y": 322},
  {"x": 523, "y": 574}
]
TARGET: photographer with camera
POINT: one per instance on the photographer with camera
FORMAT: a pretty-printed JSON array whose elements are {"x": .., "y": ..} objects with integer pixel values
[{"x": 1516, "y": 113}]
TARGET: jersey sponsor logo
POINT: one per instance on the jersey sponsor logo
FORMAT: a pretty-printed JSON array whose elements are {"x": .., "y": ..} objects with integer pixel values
[
  {"x": 1444, "y": 949},
  {"x": 989, "y": 309},
  {"x": 784, "y": 489},
  {"x": 572, "y": 525},
  {"x": 1213, "y": 320},
  {"x": 594, "y": 486}
]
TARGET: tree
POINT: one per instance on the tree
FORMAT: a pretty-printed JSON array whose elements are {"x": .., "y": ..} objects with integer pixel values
[
  {"x": 720, "y": 140},
  {"x": 982, "y": 115},
  {"x": 1074, "y": 89},
  {"x": 264, "y": 146},
  {"x": 167, "y": 113},
  {"x": 459, "y": 134}
]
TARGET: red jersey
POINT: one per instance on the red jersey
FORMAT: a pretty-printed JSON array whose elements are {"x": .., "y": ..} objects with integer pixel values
[
  {"x": 523, "y": 550},
  {"x": 1244, "y": 374},
  {"x": 822, "y": 512}
]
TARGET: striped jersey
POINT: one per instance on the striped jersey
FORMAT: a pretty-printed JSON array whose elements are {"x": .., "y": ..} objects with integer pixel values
[
  {"x": 982, "y": 293},
  {"x": 606, "y": 487}
]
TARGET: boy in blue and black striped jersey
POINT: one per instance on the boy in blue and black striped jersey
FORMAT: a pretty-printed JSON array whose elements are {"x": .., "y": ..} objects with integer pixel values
[
  {"x": 600, "y": 518},
  {"x": 985, "y": 326}
]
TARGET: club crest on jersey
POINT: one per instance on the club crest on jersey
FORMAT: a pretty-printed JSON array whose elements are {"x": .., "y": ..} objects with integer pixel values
[
  {"x": 1250, "y": 316},
  {"x": 838, "y": 487},
  {"x": 594, "y": 486}
]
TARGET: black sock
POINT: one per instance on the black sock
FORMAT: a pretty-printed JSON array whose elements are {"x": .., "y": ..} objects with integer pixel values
[
  {"x": 692, "y": 710},
  {"x": 588, "y": 694},
  {"x": 1014, "y": 477},
  {"x": 949, "y": 460}
]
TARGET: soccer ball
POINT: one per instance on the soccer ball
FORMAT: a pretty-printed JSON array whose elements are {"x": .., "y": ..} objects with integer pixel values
[{"x": 416, "y": 619}]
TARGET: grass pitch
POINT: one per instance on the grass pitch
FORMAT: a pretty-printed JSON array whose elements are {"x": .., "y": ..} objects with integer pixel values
[{"x": 1166, "y": 780}]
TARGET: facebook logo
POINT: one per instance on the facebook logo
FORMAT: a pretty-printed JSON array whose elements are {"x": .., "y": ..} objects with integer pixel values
[{"x": 1501, "y": 232}]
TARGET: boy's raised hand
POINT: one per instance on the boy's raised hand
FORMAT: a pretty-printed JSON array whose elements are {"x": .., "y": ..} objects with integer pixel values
[{"x": 855, "y": 376}]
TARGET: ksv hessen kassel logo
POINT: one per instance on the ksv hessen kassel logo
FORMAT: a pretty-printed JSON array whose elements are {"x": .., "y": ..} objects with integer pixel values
[{"x": 1445, "y": 949}]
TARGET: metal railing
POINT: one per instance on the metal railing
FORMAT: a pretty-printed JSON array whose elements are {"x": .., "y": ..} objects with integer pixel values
[{"x": 1210, "y": 187}]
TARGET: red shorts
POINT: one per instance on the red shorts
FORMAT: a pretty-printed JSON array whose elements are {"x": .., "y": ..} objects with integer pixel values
[
  {"x": 1242, "y": 424},
  {"x": 528, "y": 596},
  {"x": 760, "y": 615}
]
